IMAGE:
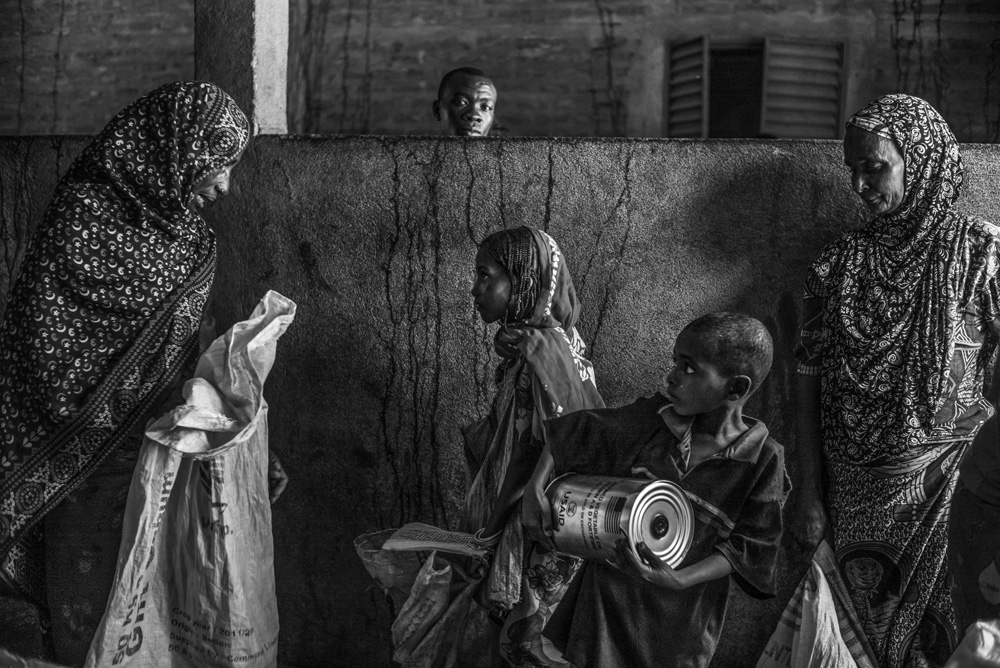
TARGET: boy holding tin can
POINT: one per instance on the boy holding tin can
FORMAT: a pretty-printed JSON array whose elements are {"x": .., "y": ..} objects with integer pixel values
[{"x": 635, "y": 610}]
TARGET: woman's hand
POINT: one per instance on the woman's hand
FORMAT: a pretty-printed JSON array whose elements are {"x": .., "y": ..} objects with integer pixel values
[
  {"x": 646, "y": 566},
  {"x": 812, "y": 522},
  {"x": 277, "y": 479},
  {"x": 505, "y": 343}
]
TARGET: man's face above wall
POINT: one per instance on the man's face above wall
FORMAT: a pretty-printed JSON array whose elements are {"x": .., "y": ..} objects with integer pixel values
[{"x": 466, "y": 107}]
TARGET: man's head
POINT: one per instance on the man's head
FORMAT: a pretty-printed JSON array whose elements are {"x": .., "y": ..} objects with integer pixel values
[
  {"x": 465, "y": 103},
  {"x": 720, "y": 358}
]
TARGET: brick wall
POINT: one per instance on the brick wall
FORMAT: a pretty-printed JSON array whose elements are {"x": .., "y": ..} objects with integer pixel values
[
  {"x": 586, "y": 67},
  {"x": 66, "y": 66},
  {"x": 563, "y": 67}
]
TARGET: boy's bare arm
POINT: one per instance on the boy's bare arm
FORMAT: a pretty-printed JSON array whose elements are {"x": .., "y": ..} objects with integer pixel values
[{"x": 645, "y": 565}]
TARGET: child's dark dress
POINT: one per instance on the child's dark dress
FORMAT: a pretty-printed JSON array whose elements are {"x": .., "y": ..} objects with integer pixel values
[{"x": 608, "y": 619}]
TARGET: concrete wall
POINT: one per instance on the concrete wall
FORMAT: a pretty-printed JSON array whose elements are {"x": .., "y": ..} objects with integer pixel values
[{"x": 374, "y": 238}]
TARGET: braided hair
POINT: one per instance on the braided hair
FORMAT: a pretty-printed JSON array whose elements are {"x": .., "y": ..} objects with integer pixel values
[{"x": 515, "y": 251}]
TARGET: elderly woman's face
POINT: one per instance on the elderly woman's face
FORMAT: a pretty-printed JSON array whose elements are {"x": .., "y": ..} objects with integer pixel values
[
  {"x": 877, "y": 170},
  {"x": 215, "y": 184}
]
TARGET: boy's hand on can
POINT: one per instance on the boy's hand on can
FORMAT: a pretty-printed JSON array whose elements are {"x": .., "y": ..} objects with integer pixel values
[{"x": 645, "y": 565}]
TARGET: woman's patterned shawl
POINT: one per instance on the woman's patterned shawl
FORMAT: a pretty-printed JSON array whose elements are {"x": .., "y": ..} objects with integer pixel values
[
  {"x": 562, "y": 381},
  {"x": 897, "y": 288},
  {"x": 106, "y": 309}
]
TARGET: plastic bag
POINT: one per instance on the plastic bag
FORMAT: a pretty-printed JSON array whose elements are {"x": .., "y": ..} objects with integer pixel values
[
  {"x": 10, "y": 660},
  {"x": 395, "y": 572},
  {"x": 980, "y": 648},
  {"x": 431, "y": 624},
  {"x": 818, "y": 628},
  {"x": 432, "y": 592},
  {"x": 195, "y": 577}
]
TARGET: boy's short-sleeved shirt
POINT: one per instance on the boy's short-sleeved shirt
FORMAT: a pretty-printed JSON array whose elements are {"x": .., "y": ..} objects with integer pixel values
[{"x": 610, "y": 619}]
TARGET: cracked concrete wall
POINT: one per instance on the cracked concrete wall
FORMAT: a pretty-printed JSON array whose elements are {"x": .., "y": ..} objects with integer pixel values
[{"x": 374, "y": 238}]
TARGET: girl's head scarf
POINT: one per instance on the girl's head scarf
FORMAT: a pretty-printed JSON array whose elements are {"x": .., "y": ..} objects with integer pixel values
[
  {"x": 544, "y": 308},
  {"x": 106, "y": 308},
  {"x": 896, "y": 287}
]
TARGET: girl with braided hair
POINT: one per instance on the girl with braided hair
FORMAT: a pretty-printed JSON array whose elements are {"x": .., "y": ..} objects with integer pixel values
[{"x": 523, "y": 283}]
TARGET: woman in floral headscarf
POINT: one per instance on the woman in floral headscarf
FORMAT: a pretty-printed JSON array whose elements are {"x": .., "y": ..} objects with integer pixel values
[
  {"x": 522, "y": 281},
  {"x": 900, "y": 325},
  {"x": 103, "y": 318}
]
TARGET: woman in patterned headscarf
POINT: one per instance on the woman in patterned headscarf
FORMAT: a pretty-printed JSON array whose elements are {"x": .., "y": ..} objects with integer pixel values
[
  {"x": 901, "y": 322},
  {"x": 103, "y": 318},
  {"x": 523, "y": 282}
]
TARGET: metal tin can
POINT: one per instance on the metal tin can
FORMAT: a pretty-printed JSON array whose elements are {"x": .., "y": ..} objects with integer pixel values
[{"x": 591, "y": 513}]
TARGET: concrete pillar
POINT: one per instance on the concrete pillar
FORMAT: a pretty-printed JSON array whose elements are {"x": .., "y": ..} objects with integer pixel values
[{"x": 242, "y": 46}]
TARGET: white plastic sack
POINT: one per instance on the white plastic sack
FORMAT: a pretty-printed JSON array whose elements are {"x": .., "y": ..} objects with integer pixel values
[
  {"x": 195, "y": 578},
  {"x": 429, "y": 628},
  {"x": 10, "y": 660},
  {"x": 814, "y": 631},
  {"x": 980, "y": 648},
  {"x": 432, "y": 590}
]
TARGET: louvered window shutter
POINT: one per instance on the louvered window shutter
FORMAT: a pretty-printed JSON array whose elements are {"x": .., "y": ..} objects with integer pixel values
[
  {"x": 687, "y": 89},
  {"x": 803, "y": 83}
]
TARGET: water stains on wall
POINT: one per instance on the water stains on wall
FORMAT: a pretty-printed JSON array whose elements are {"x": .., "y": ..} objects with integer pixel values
[{"x": 374, "y": 238}]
